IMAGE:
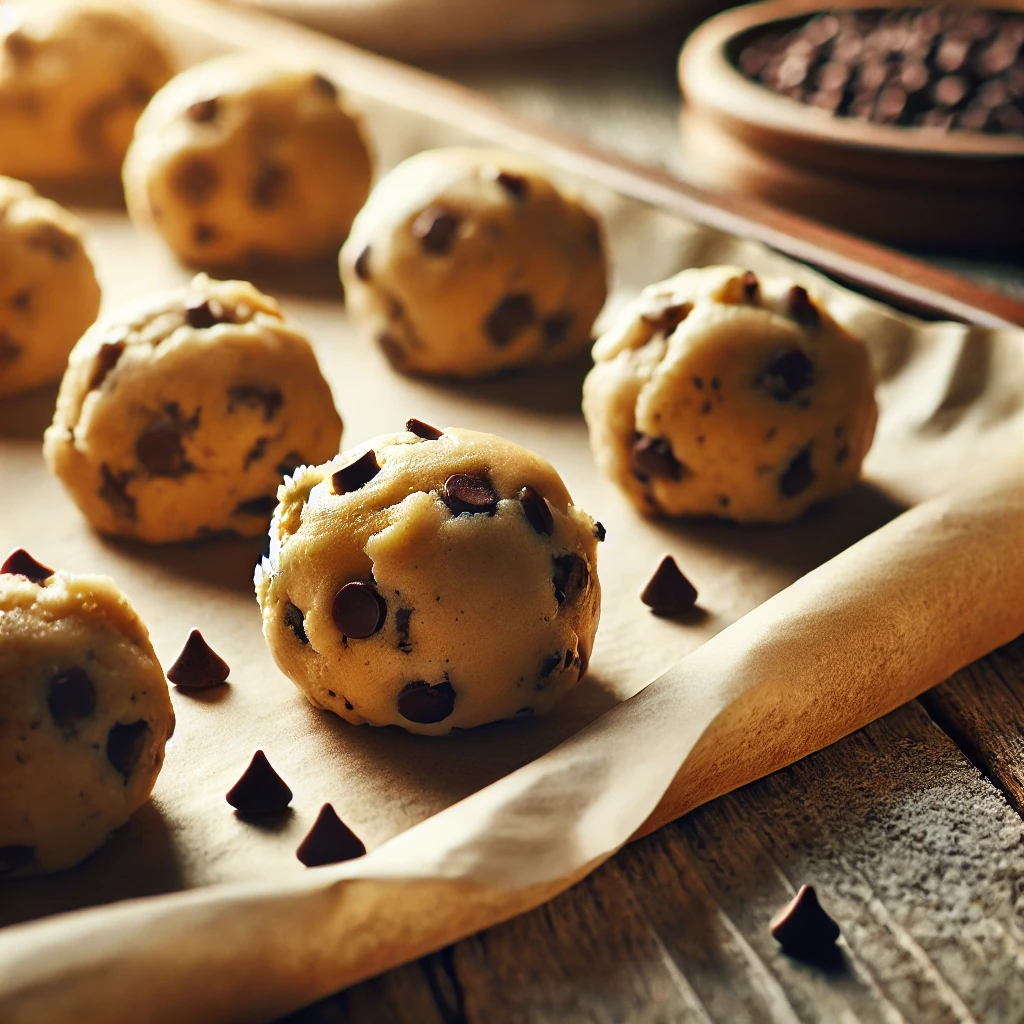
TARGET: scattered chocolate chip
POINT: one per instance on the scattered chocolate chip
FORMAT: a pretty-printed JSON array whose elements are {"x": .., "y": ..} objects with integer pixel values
[
  {"x": 125, "y": 745},
  {"x": 536, "y": 510},
  {"x": 204, "y": 234},
  {"x": 652, "y": 456},
  {"x": 114, "y": 491},
  {"x": 358, "y": 610},
  {"x": 329, "y": 841},
  {"x": 787, "y": 372},
  {"x": 270, "y": 185},
  {"x": 362, "y": 265},
  {"x": 425, "y": 704},
  {"x": 554, "y": 328},
  {"x": 471, "y": 495},
  {"x": 70, "y": 696},
  {"x": 424, "y": 430},
  {"x": 15, "y": 857},
  {"x": 599, "y": 531},
  {"x": 262, "y": 506},
  {"x": 436, "y": 231},
  {"x": 402, "y": 621},
  {"x": 348, "y": 705},
  {"x": 514, "y": 184},
  {"x": 196, "y": 180},
  {"x": 665, "y": 321},
  {"x": 510, "y": 317},
  {"x": 198, "y": 666},
  {"x": 669, "y": 592},
  {"x": 202, "y": 313},
  {"x": 801, "y": 308},
  {"x": 160, "y": 450},
  {"x": 323, "y": 85},
  {"x": 570, "y": 577},
  {"x": 260, "y": 790},
  {"x": 203, "y": 111},
  {"x": 294, "y": 618},
  {"x": 20, "y": 563},
  {"x": 549, "y": 664},
  {"x": 355, "y": 473},
  {"x": 751, "y": 287},
  {"x": 256, "y": 396},
  {"x": 803, "y": 928},
  {"x": 106, "y": 359},
  {"x": 798, "y": 475}
]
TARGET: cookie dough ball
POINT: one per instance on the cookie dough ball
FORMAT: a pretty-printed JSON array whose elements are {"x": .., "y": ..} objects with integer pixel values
[
  {"x": 719, "y": 393},
  {"x": 48, "y": 289},
  {"x": 84, "y": 716},
  {"x": 74, "y": 77},
  {"x": 240, "y": 159},
  {"x": 431, "y": 580},
  {"x": 180, "y": 413},
  {"x": 465, "y": 262}
]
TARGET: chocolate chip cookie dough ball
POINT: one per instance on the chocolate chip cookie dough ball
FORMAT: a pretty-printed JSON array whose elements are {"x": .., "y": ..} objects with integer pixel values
[
  {"x": 180, "y": 413},
  {"x": 74, "y": 77},
  {"x": 719, "y": 393},
  {"x": 48, "y": 289},
  {"x": 241, "y": 159},
  {"x": 431, "y": 579},
  {"x": 84, "y": 715},
  {"x": 465, "y": 262}
]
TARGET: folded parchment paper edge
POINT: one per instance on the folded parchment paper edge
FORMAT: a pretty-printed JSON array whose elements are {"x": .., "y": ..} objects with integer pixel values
[{"x": 901, "y": 610}]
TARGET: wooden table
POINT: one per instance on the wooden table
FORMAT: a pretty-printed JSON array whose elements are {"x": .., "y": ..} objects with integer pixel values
[{"x": 910, "y": 829}]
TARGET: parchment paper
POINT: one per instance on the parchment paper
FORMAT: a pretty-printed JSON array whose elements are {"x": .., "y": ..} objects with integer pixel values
[{"x": 259, "y": 934}]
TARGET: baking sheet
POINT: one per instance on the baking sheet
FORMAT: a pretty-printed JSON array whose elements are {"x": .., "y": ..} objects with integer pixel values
[{"x": 952, "y": 402}]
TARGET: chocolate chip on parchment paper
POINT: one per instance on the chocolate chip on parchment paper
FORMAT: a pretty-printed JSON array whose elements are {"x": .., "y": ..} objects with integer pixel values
[
  {"x": 467, "y": 494},
  {"x": 329, "y": 841},
  {"x": 295, "y": 620},
  {"x": 787, "y": 372},
  {"x": 751, "y": 287},
  {"x": 425, "y": 704},
  {"x": 668, "y": 591},
  {"x": 198, "y": 666},
  {"x": 70, "y": 696},
  {"x": 509, "y": 318},
  {"x": 355, "y": 473},
  {"x": 423, "y": 430},
  {"x": 160, "y": 450},
  {"x": 106, "y": 359},
  {"x": 20, "y": 563},
  {"x": 125, "y": 745},
  {"x": 653, "y": 456},
  {"x": 803, "y": 928},
  {"x": 358, "y": 610},
  {"x": 201, "y": 313},
  {"x": 537, "y": 511},
  {"x": 436, "y": 230},
  {"x": 570, "y": 577},
  {"x": 801, "y": 308},
  {"x": 260, "y": 790},
  {"x": 798, "y": 475}
]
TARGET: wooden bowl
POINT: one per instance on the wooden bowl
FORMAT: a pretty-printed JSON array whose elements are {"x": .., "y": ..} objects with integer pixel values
[{"x": 908, "y": 186}]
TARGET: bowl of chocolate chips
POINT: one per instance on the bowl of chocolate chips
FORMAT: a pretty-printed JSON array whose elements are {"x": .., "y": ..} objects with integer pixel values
[{"x": 903, "y": 122}]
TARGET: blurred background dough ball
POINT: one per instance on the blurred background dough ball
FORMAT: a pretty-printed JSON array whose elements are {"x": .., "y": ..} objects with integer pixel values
[
  {"x": 180, "y": 413},
  {"x": 465, "y": 262},
  {"x": 74, "y": 77},
  {"x": 84, "y": 715},
  {"x": 241, "y": 158},
  {"x": 724, "y": 394},
  {"x": 48, "y": 289}
]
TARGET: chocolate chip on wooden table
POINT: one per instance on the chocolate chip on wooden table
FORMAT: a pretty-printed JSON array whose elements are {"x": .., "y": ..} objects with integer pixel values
[
  {"x": 270, "y": 185},
  {"x": 801, "y": 308},
  {"x": 355, "y": 473},
  {"x": 202, "y": 313},
  {"x": 106, "y": 359},
  {"x": 467, "y": 494},
  {"x": 570, "y": 577},
  {"x": 509, "y": 318},
  {"x": 70, "y": 696},
  {"x": 424, "y": 430},
  {"x": 358, "y": 610},
  {"x": 669, "y": 592},
  {"x": 653, "y": 456},
  {"x": 294, "y": 618},
  {"x": 798, "y": 475},
  {"x": 203, "y": 111},
  {"x": 787, "y": 372},
  {"x": 160, "y": 450},
  {"x": 15, "y": 857},
  {"x": 514, "y": 184},
  {"x": 362, "y": 265},
  {"x": 329, "y": 841},
  {"x": 436, "y": 231},
  {"x": 125, "y": 745},
  {"x": 256, "y": 396},
  {"x": 198, "y": 666},
  {"x": 803, "y": 928},
  {"x": 20, "y": 563},
  {"x": 260, "y": 790},
  {"x": 425, "y": 704},
  {"x": 536, "y": 510}
]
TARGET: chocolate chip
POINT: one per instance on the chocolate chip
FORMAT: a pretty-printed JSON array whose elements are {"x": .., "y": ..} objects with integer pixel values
[
  {"x": 329, "y": 841},
  {"x": 106, "y": 359},
  {"x": 15, "y": 857},
  {"x": 424, "y": 430},
  {"x": 20, "y": 563},
  {"x": 294, "y": 618},
  {"x": 9, "y": 348},
  {"x": 355, "y": 473},
  {"x": 403, "y": 617},
  {"x": 256, "y": 396},
  {"x": 514, "y": 184},
  {"x": 665, "y": 321},
  {"x": 323, "y": 85},
  {"x": 425, "y": 704},
  {"x": 203, "y": 111},
  {"x": 262, "y": 506},
  {"x": 536, "y": 510},
  {"x": 570, "y": 577},
  {"x": 114, "y": 491},
  {"x": 55, "y": 240},
  {"x": 70, "y": 696},
  {"x": 751, "y": 287},
  {"x": 787, "y": 372},
  {"x": 549, "y": 664},
  {"x": 198, "y": 666},
  {"x": 568, "y": 659},
  {"x": 472, "y": 495},
  {"x": 554, "y": 328},
  {"x": 196, "y": 180},
  {"x": 202, "y": 313},
  {"x": 510, "y": 317},
  {"x": 270, "y": 185},
  {"x": 126, "y": 744},
  {"x": 160, "y": 450},
  {"x": 803, "y": 928},
  {"x": 599, "y": 531},
  {"x": 798, "y": 475},
  {"x": 801, "y": 308},
  {"x": 204, "y": 234},
  {"x": 362, "y": 265},
  {"x": 436, "y": 231},
  {"x": 669, "y": 592},
  {"x": 260, "y": 790},
  {"x": 358, "y": 610},
  {"x": 652, "y": 456}
]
